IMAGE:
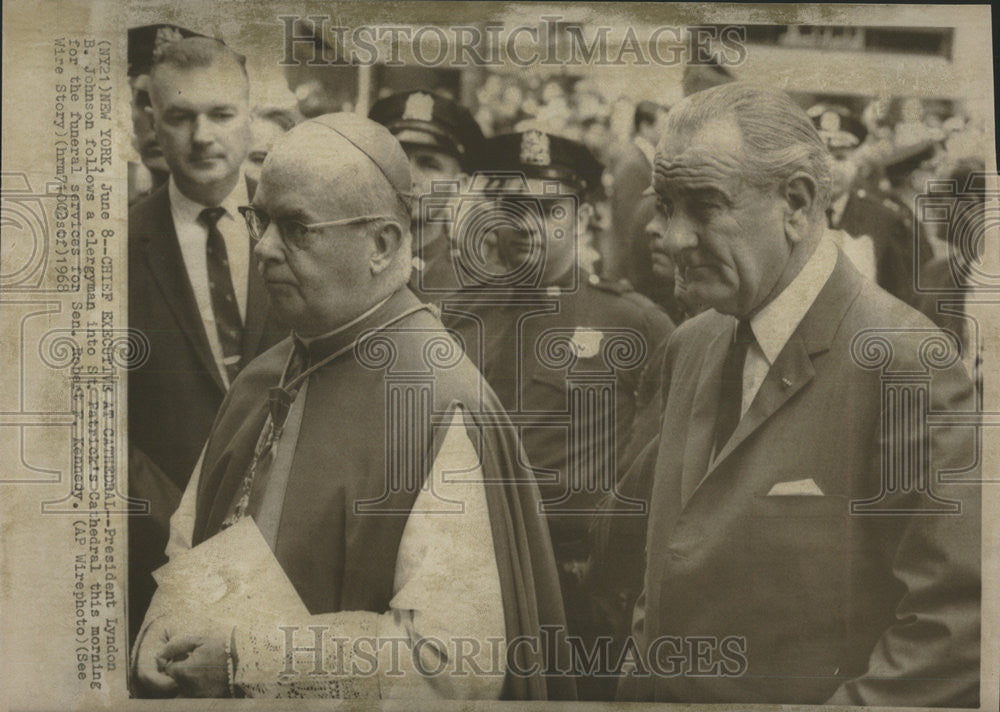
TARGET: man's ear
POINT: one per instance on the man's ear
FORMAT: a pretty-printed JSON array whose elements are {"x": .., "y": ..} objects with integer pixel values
[
  {"x": 148, "y": 110},
  {"x": 799, "y": 192},
  {"x": 387, "y": 241}
]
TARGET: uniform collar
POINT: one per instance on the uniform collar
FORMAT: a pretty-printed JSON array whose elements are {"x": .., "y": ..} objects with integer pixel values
[{"x": 774, "y": 324}]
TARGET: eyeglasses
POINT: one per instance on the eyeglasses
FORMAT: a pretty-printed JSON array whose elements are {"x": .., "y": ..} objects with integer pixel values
[{"x": 295, "y": 233}]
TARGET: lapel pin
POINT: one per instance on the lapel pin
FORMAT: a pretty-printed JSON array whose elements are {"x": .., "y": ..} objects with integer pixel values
[{"x": 786, "y": 381}]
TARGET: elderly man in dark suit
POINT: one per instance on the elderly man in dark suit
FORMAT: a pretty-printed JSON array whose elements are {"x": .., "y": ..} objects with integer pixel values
[
  {"x": 802, "y": 546},
  {"x": 194, "y": 291}
]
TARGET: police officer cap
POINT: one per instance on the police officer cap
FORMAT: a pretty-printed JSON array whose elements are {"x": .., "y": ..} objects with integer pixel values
[
  {"x": 425, "y": 119},
  {"x": 837, "y": 125},
  {"x": 144, "y": 41},
  {"x": 542, "y": 155}
]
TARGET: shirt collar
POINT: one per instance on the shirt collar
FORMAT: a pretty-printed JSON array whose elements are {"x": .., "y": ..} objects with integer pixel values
[
  {"x": 774, "y": 324},
  {"x": 187, "y": 210},
  {"x": 648, "y": 149}
]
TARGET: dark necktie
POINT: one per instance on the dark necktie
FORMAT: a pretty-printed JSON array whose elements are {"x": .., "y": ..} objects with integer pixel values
[
  {"x": 220, "y": 286},
  {"x": 731, "y": 394}
]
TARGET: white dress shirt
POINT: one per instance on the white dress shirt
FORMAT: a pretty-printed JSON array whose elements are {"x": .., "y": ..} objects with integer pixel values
[
  {"x": 774, "y": 324},
  {"x": 193, "y": 236}
]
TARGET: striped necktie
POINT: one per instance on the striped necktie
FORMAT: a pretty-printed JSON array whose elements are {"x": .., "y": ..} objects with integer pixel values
[{"x": 220, "y": 286}]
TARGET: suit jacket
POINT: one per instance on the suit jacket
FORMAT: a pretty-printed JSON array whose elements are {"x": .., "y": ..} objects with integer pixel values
[
  {"x": 172, "y": 396},
  {"x": 805, "y": 602}
]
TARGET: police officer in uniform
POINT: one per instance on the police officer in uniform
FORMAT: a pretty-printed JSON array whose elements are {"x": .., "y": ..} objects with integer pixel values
[
  {"x": 875, "y": 231},
  {"x": 443, "y": 143},
  {"x": 554, "y": 340}
]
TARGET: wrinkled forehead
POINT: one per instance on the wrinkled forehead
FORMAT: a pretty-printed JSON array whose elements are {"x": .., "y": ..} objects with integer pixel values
[{"x": 706, "y": 156}]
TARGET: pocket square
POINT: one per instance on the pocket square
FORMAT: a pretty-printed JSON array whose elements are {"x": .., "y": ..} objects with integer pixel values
[{"x": 796, "y": 487}]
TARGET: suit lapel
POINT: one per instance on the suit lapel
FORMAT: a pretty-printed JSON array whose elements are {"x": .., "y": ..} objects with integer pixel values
[
  {"x": 166, "y": 264},
  {"x": 790, "y": 372}
]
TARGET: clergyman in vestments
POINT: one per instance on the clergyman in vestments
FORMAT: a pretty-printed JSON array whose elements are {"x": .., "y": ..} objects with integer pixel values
[{"x": 405, "y": 519}]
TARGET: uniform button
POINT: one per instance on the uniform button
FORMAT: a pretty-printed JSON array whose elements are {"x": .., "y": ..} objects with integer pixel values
[{"x": 594, "y": 279}]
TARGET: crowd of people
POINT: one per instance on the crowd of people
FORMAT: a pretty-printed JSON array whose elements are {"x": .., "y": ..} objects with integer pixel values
[{"x": 640, "y": 355}]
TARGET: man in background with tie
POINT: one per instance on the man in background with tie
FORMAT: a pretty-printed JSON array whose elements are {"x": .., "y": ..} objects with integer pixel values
[
  {"x": 194, "y": 291},
  {"x": 799, "y": 551}
]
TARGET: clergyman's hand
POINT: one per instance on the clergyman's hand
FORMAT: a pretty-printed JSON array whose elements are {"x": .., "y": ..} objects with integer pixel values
[
  {"x": 198, "y": 664},
  {"x": 150, "y": 677}
]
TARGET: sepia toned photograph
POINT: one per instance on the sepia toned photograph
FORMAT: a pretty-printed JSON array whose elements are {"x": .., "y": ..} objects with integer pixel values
[{"x": 434, "y": 355}]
